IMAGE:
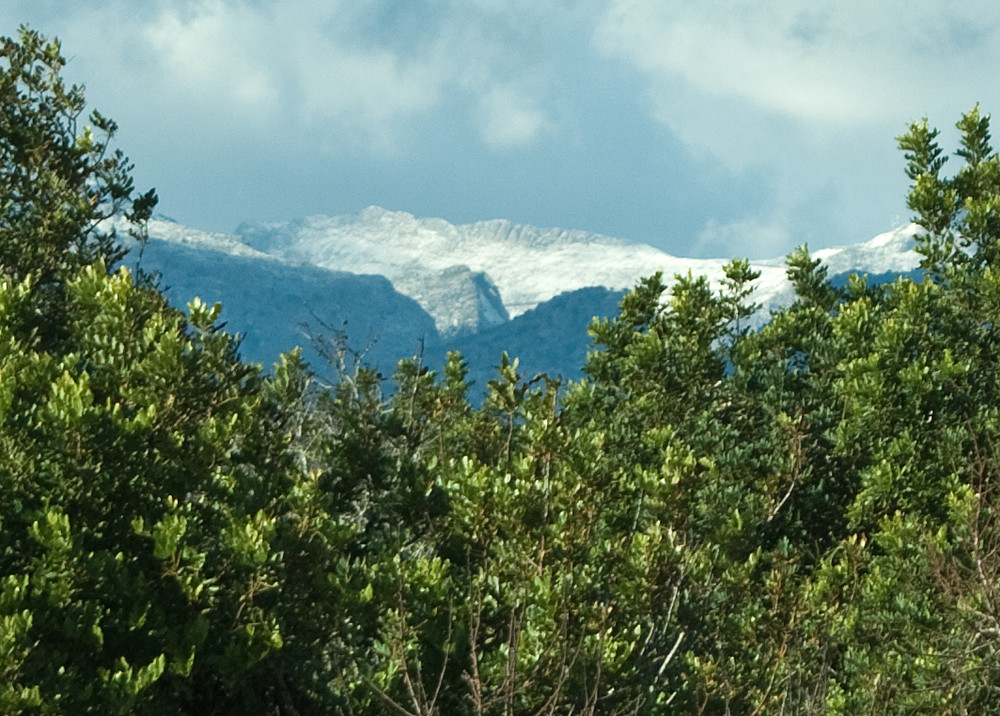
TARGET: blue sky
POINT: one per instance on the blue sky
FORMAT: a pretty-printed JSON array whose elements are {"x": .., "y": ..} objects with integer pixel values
[{"x": 714, "y": 128}]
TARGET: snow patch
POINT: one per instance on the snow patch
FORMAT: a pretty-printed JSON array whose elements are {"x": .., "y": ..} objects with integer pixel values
[{"x": 475, "y": 276}]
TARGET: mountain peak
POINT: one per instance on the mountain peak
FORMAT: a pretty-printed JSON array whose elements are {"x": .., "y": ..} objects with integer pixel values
[
  {"x": 377, "y": 213},
  {"x": 393, "y": 280},
  {"x": 520, "y": 266}
]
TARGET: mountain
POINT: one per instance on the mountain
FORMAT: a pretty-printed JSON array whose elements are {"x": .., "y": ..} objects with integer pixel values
[
  {"x": 395, "y": 285},
  {"x": 550, "y": 338}
]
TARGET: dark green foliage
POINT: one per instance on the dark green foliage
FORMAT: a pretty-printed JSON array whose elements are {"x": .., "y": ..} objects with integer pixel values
[
  {"x": 809, "y": 277},
  {"x": 800, "y": 519},
  {"x": 60, "y": 180},
  {"x": 145, "y": 471}
]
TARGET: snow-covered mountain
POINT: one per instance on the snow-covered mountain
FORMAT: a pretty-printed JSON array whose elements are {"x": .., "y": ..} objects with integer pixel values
[{"x": 398, "y": 284}]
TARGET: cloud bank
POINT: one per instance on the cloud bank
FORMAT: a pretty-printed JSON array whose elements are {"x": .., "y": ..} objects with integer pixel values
[{"x": 718, "y": 126}]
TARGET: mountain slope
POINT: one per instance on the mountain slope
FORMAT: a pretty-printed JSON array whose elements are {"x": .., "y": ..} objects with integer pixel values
[
  {"x": 394, "y": 283},
  {"x": 528, "y": 265},
  {"x": 275, "y": 306}
]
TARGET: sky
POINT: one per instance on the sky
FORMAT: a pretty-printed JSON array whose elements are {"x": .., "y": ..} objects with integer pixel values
[{"x": 710, "y": 129}]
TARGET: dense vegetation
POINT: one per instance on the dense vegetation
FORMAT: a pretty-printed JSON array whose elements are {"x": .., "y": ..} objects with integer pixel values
[{"x": 801, "y": 519}]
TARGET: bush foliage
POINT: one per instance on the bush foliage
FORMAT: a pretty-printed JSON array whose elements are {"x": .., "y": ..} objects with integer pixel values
[{"x": 800, "y": 519}]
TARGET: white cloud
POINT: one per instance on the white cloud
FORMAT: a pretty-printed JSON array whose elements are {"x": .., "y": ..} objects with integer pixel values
[
  {"x": 508, "y": 118},
  {"x": 754, "y": 238},
  {"x": 213, "y": 53},
  {"x": 372, "y": 87},
  {"x": 740, "y": 79},
  {"x": 807, "y": 97},
  {"x": 332, "y": 69},
  {"x": 336, "y": 74},
  {"x": 296, "y": 64},
  {"x": 795, "y": 103},
  {"x": 830, "y": 61}
]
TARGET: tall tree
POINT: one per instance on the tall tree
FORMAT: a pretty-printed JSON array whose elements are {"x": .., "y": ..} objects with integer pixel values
[
  {"x": 144, "y": 469},
  {"x": 59, "y": 178}
]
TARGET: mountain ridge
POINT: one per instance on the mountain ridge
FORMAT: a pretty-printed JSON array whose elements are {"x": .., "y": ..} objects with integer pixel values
[{"x": 441, "y": 285}]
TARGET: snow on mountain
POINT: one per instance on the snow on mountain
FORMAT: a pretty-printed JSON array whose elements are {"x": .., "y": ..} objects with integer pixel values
[
  {"x": 527, "y": 265},
  {"x": 170, "y": 231},
  {"x": 891, "y": 252},
  {"x": 885, "y": 255},
  {"x": 274, "y": 305},
  {"x": 460, "y": 300},
  {"x": 397, "y": 282}
]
